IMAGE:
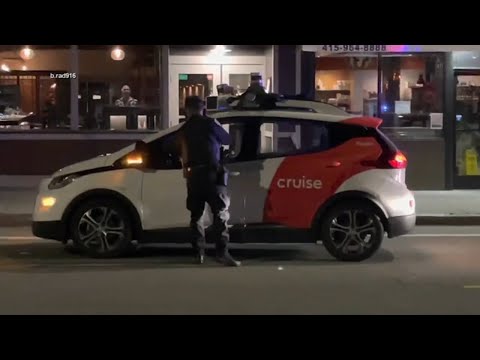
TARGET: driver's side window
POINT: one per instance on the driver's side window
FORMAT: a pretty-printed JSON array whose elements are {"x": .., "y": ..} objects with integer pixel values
[
  {"x": 236, "y": 132},
  {"x": 243, "y": 134},
  {"x": 164, "y": 154}
]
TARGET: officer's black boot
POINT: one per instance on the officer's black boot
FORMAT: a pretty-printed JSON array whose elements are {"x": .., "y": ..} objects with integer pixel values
[
  {"x": 200, "y": 258},
  {"x": 199, "y": 254},
  {"x": 226, "y": 259},
  {"x": 199, "y": 247}
]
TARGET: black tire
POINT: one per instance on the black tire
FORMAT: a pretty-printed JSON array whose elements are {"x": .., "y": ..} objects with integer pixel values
[
  {"x": 359, "y": 244},
  {"x": 110, "y": 237}
]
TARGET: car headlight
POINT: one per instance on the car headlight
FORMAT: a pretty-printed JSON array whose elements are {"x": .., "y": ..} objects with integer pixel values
[{"x": 62, "y": 181}]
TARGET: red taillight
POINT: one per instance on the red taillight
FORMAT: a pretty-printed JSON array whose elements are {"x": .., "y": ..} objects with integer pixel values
[{"x": 399, "y": 161}]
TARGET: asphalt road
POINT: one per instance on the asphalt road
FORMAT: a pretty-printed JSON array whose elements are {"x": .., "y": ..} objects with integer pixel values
[{"x": 434, "y": 271}]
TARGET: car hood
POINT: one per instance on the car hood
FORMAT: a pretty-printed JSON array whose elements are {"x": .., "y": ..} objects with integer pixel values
[
  {"x": 107, "y": 160},
  {"x": 104, "y": 160}
]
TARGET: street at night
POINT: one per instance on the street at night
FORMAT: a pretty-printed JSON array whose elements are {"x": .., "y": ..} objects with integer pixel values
[
  {"x": 435, "y": 270},
  {"x": 374, "y": 149}
]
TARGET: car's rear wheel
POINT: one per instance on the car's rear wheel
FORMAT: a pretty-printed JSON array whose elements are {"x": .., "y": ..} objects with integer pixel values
[
  {"x": 352, "y": 231},
  {"x": 101, "y": 228}
]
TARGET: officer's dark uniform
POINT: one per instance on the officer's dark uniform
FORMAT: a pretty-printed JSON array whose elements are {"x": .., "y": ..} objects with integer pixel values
[{"x": 201, "y": 139}]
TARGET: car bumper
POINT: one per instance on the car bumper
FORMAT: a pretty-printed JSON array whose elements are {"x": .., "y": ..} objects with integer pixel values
[
  {"x": 401, "y": 225},
  {"x": 53, "y": 230}
]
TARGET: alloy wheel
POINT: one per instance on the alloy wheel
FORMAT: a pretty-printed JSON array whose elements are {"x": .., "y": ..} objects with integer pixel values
[
  {"x": 101, "y": 229},
  {"x": 352, "y": 231}
]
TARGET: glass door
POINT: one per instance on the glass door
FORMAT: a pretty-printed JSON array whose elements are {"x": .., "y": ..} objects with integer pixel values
[
  {"x": 187, "y": 80},
  {"x": 467, "y": 129},
  {"x": 238, "y": 76}
]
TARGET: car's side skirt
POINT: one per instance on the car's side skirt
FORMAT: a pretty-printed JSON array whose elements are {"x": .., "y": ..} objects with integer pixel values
[{"x": 253, "y": 233}]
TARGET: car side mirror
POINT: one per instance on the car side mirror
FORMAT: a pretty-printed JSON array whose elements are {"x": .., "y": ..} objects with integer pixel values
[{"x": 138, "y": 157}]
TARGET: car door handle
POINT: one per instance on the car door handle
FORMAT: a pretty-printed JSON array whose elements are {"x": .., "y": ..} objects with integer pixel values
[
  {"x": 234, "y": 173},
  {"x": 334, "y": 164}
]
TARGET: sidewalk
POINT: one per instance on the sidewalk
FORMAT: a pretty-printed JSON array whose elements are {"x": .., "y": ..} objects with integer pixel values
[
  {"x": 17, "y": 199},
  {"x": 454, "y": 207},
  {"x": 449, "y": 207}
]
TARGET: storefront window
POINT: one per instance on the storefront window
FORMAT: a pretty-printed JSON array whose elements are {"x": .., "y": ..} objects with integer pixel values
[
  {"x": 119, "y": 87},
  {"x": 467, "y": 132},
  {"x": 408, "y": 97},
  {"x": 30, "y": 97},
  {"x": 349, "y": 82},
  {"x": 193, "y": 85},
  {"x": 412, "y": 91}
]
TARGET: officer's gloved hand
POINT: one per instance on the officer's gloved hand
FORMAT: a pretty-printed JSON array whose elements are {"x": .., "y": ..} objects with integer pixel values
[{"x": 222, "y": 176}]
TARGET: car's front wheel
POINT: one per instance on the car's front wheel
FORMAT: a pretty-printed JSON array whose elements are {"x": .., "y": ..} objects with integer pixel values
[
  {"x": 352, "y": 231},
  {"x": 101, "y": 228}
]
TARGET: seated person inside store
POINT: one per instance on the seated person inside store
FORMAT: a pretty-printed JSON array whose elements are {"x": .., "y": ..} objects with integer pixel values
[
  {"x": 127, "y": 106},
  {"x": 49, "y": 111},
  {"x": 126, "y": 99}
]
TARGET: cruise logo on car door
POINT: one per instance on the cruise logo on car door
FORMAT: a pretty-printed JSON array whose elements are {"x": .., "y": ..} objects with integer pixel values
[{"x": 302, "y": 183}]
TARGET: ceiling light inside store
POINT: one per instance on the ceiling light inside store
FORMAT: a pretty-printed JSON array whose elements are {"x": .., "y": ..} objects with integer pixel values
[
  {"x": 5, "y": 67},
  {"x": 117, "y": 54},
  {"x": 220, "y": 50},
  {"x": 24, "y": 68},
  {"x": 53, "y": 86},
  {"x": 26, "y": 53}
]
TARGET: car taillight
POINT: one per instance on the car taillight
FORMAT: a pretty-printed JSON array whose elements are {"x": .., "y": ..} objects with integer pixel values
[{"x": 399, "y": 161}]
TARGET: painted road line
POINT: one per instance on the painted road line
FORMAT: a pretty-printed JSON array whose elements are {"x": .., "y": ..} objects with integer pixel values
[
  {"x": 441, "y": 235},
  {"x": 471, "y": 286},
  {"x": 19, "y": 238},
  {"x": 319, "y": 242}
]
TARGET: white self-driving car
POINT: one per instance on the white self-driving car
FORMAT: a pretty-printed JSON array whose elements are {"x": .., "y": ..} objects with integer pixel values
[{"x": 304, "y": 172}]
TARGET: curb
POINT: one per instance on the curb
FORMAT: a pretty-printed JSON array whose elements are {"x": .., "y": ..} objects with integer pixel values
[
  {"x": 22, "y": 220},
  {"x": 449, "y": 220}
]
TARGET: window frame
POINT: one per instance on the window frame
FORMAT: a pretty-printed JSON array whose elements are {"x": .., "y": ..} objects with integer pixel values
[
  {"x": 251, "y": 124},
  {"x": 381, "y": 94},
  {"x": 273, "y": 120},
  {"x": 227, "y": 120},
  {"x": 442, "y": 55}
]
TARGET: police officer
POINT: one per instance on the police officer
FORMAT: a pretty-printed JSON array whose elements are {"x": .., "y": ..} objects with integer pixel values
[{"x": 201, "y": 139}]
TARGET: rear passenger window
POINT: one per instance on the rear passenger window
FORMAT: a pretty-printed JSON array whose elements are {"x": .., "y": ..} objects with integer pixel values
[
  {"x": 282, "y": 137},
  {"x": 289, "y": 137}
]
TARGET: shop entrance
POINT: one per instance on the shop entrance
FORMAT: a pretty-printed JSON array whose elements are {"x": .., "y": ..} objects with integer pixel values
[
  {"x": 202, "y": 80},
  {"x": 467, "y": 129}
]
